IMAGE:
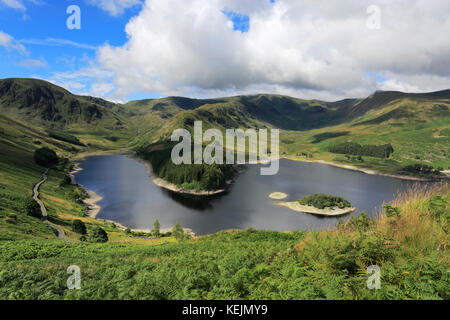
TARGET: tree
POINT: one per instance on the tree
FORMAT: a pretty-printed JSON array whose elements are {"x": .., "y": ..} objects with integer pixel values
[
  {"x": 98, "y": 235},
  {"x": 45, "y": 157},
  {"x": 178, "y": 231},
  {"x": 78, "y": 226},
  {"x": 156, "y": 228},
  {"x": 32, "y": 208}
]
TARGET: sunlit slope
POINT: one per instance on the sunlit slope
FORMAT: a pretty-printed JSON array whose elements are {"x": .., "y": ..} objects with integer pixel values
[
  {"x": 418, "y": 127},
  {"x": 415, "y": 124},
  {"x": 47, "y": 105},
  {"x": 409, "y": 248}
]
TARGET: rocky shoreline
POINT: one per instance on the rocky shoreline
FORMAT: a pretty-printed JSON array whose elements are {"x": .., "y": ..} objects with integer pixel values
[
  {"x": 296, "y": 206},
  {"x": 372, "y": 172}
]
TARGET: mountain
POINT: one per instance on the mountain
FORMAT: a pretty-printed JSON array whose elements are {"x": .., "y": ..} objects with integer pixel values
[
  {"x": 48, "y": 105},
  {"x": 416, "y": 124}
]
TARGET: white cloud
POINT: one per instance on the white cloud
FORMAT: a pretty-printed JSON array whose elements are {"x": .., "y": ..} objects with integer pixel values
[
  {"x": 58, "y": 42},
  {"x": 10, "y": 43},
  {"x": 19, "y": 4},
  {"x": 32, "y": 63},
  {"x": 312, "y": 49},
  {"x": 14, "y": 4},
  {"x": 88, "y": 80},
  {"x": 114, "y": 7}
]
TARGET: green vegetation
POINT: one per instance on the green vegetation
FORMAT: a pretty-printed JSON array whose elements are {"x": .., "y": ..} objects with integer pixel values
[
  {"x": 32, "y": 208},
  {"x": 98, "y": 235},
  {"x": 409, "y": 249},
  {"x": 78, "y": 226},
  {"x": 63, "y": 136},
  {"x": 322, "y": 201},
  {"x": 195, "y": 176},
  {"x": 421, "y": 170},
  {"x": 383, "y": 151},
  {"x": 408, "y": 241},
  {"x": 45, "y": 157},
  {"x": 156, "y": 228}
]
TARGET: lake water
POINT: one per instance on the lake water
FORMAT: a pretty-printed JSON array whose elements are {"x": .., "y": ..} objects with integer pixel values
[{"x": 130, "y": 197}]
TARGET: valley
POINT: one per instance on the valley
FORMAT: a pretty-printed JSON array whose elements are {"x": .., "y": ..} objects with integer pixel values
[{"x": 36, "y": 114}]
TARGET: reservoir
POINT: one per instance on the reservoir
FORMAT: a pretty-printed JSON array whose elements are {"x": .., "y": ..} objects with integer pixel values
[{"x": 131, "y": 198}]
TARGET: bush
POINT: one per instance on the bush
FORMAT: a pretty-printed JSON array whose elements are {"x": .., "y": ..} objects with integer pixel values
[
  {"x": 65, "y": 181},
  {"x": 45, "y": 157},
  {"x": 32, "y": 208},
  {"x": 421, "y": 169},
  {"x": 98, "y": 235},
  {"x": 78, "y": 226}
]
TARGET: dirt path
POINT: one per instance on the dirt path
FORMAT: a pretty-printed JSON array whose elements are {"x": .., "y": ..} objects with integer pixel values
[{"x": 43, "y": 209}]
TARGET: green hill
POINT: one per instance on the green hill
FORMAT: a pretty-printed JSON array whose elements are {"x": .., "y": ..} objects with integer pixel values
[{"x": 48, "y": 105}]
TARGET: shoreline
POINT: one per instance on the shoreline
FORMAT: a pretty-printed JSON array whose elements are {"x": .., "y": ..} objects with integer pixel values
[
  {"x": 93, "y": 197},
  {"x": 369, "y": 171},
  {"x": 172, "y": 187},
  {"x": 330, "y": 212}
]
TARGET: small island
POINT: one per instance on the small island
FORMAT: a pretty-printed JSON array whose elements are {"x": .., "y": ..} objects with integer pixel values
[
  {"x": 322, "y": 204},
  {"x": 278, "y": 195}
]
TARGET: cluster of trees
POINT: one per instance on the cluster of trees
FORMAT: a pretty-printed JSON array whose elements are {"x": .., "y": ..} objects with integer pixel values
[
  {"x": 421, "y": 170},
  {"x": 381, "y": 151},
  {"x": 322, "y": 201},
  {"x": 63, "y": 136},
  {"x": 191, "y": 176},
  {"x": 45, "y": 157},
  {"x": 32, "y": 208},
  {"x": 97, "y": 234}
]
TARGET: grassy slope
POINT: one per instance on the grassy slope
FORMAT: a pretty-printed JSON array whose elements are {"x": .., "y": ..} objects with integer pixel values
[
  {"x": 421, "y": 135},
  {"x": 411, "y": 251},
  {"x": 417, "y": 125},
  {"x": 19, "y": 173}
]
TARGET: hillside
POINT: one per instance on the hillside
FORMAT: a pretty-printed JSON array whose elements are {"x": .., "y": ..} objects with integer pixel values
[
  {"x": 416, "y": 125},
  {"x": 410, "y": 248},
  {"x": 51, "y": 106}
]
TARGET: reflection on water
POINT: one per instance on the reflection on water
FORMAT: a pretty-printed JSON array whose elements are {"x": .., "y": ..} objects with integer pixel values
[{"x": 130, "y": 197}]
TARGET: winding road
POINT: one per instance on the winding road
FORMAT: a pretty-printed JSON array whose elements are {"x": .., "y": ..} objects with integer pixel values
[{"x": 43, "y": 209}]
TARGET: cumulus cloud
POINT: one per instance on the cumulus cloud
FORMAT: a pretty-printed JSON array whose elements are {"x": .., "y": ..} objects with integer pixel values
[
  {"x": 88, "y": 80},
  {"x": 312, "y": 49},
  {"x": 10, "y": 43},
  {"x": 115, "y": 7}
]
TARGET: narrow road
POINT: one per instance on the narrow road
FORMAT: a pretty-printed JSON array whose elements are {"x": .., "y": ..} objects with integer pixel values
[{"x": 43, "y": 209}]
